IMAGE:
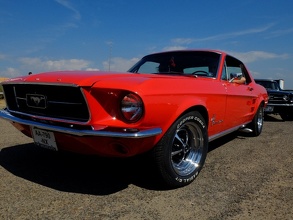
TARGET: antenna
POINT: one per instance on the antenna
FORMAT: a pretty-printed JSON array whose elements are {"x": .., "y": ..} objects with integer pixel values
[{"x": 110, "y": 54}]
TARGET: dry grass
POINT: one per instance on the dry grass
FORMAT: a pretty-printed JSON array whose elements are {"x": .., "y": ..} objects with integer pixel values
[
  {"x": 2, "y": 103},
  {"x": 3, "y": 79}
]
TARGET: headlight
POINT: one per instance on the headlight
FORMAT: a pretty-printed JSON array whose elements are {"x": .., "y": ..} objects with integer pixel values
[{"x": 132, "y": 107}]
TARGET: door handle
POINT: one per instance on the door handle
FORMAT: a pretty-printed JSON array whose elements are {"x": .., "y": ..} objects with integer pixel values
[{"x": 249, "y": 88}]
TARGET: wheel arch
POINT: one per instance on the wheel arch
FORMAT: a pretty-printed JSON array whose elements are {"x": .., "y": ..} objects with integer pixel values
[
  {"x": 261, "y": 102},
  {"x": 199, "y": 108}
]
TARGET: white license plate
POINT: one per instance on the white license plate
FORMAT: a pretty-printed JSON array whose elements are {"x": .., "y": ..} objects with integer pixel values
[
  {"x": 44, "y": 138},
  {"x": 269, "y": 109}
]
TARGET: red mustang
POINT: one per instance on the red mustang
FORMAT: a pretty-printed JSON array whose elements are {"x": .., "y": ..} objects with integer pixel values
[{"x": 171, "y": 103}]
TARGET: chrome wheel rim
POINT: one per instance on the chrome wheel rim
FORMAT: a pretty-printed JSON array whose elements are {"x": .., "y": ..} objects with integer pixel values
[
  {"x": 187, "y": 149},
  {"x": 260, "y": 119}
]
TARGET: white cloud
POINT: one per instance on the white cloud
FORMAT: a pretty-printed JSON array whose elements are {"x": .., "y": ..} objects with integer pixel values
[
  {"x": 186, "y": 41},
  {"x": 2, "y": 56},
  {"x": 252, "y": 56},
  {"x": 280, "y": 33},
  {"x": 92, "y": 69},
  {"x": 36, "y": 64},
  {"x": 71, "y": 64},
  {"x": 67, "y": 5},
  {"x": 119, "y": 64},
  {"x": 174, "y": 48},
  {"x": 182, "y": 40},
  {"x": 9, "y": 72},
  {"x": 255, "y": 74}
]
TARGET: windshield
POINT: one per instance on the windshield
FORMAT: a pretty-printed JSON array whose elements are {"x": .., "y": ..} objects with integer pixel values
[
  {"x": 269, "y": 85},
  {"x": 199, "y": 63}
]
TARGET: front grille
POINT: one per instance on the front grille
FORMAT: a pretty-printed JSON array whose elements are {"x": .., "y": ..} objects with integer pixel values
[
  {"x": 278, "y": 99},
  {"x": 53, "y": 101}
]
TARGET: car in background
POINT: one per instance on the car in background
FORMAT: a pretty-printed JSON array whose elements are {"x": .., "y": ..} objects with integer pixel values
[
  {"x": 1, "y": 92},
  {"x": 170, "y": 104},
  {"x": 280, "y": 101}
]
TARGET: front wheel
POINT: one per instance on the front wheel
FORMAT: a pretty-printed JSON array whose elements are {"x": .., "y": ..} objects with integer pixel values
[{"x": 181, "y": 153}]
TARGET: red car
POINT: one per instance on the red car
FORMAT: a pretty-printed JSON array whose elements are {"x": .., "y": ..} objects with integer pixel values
[{"x": 171, "y": 104}]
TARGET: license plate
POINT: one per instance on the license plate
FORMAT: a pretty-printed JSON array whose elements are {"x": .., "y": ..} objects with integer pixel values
[
  {"x": 44, "y": 139},
  {"x": 269, "y": 109}
]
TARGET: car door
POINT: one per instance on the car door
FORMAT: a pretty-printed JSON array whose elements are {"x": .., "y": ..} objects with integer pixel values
[
  {"x": 241, "y": 100},
  {"x": 216, "y": 102}
]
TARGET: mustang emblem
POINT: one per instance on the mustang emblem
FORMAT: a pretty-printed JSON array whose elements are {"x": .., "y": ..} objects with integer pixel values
[
  {"x": 36, "y": 101},
  {"x": 214, "y": 122}
]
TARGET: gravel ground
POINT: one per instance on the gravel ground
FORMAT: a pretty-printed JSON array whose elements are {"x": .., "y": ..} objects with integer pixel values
[{"x": 243, "y": 178}]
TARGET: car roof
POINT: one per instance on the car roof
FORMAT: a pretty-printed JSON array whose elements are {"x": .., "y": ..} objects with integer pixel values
[
  {"x": 189, "y": 50},
  {"x": 267, "y": 80}
]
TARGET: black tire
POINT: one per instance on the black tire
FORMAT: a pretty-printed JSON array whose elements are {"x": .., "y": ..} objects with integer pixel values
[
  {"x": 180, "y": 154},
  {"x": 257, "y": 123}
]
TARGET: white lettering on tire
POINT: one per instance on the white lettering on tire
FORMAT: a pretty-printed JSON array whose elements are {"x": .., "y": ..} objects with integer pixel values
[{"x": 191, "y": 118}]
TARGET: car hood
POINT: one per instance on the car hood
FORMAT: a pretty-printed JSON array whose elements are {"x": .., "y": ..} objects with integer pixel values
[
  {"x": 91, "y": 78},
  {"x": 141, "y": 83},
  {"x": 80, "y": 78}
]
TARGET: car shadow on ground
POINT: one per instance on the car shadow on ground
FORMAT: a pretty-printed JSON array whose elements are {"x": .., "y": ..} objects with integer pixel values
[
  {"x": 272, "y": 118},
  {"x": 86, "y": 174},
  {"x": 213, "y": 145},
  {"x": 78, "y": 173}
]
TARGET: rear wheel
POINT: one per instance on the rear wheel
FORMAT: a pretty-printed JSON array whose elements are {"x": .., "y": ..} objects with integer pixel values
[
  {"x": 181, "y": 153},
  {"x": 257, "y": 123}
]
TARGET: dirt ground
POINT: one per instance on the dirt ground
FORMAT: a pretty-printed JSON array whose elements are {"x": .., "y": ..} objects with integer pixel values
[
  {"x": 243, "y": 178},
  {"x": 2, "y": 103}
]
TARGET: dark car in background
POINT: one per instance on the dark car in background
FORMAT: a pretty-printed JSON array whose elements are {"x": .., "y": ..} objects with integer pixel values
[{"x": 280, "y": 101}]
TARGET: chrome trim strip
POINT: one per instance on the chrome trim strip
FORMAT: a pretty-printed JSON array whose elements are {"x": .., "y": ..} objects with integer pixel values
[
  {"x": 87, "y": 105},
  {"x": 38, "y": 83},
  {"x": 15, "y": 96},
  {"x": 37, "y": 117},
  {"x": 223, "y": 133},
  {"x": 66, "y": 103},
  {"x": 140, "y": 134}
]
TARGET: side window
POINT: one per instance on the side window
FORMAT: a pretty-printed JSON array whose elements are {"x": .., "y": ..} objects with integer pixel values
[
  {"x": 149, "y": 67},
  {"x": 235, "y": 67}
]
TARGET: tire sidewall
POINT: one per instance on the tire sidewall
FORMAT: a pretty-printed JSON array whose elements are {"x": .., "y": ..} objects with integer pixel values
[
  {"x": 257, "y": 131},
  {"x": 191, "y": 117}
]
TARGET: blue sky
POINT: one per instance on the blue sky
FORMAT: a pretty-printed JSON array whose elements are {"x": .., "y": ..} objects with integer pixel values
[{"x": 45, "y": 35}]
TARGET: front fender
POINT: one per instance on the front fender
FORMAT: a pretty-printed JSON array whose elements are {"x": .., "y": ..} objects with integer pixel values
[{"x": 163, "y": 112}]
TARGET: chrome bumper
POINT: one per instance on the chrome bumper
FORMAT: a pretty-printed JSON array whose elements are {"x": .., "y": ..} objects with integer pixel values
[
  {"x": 286, "y": 105},
  {"x": 139, "y": 134}
]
